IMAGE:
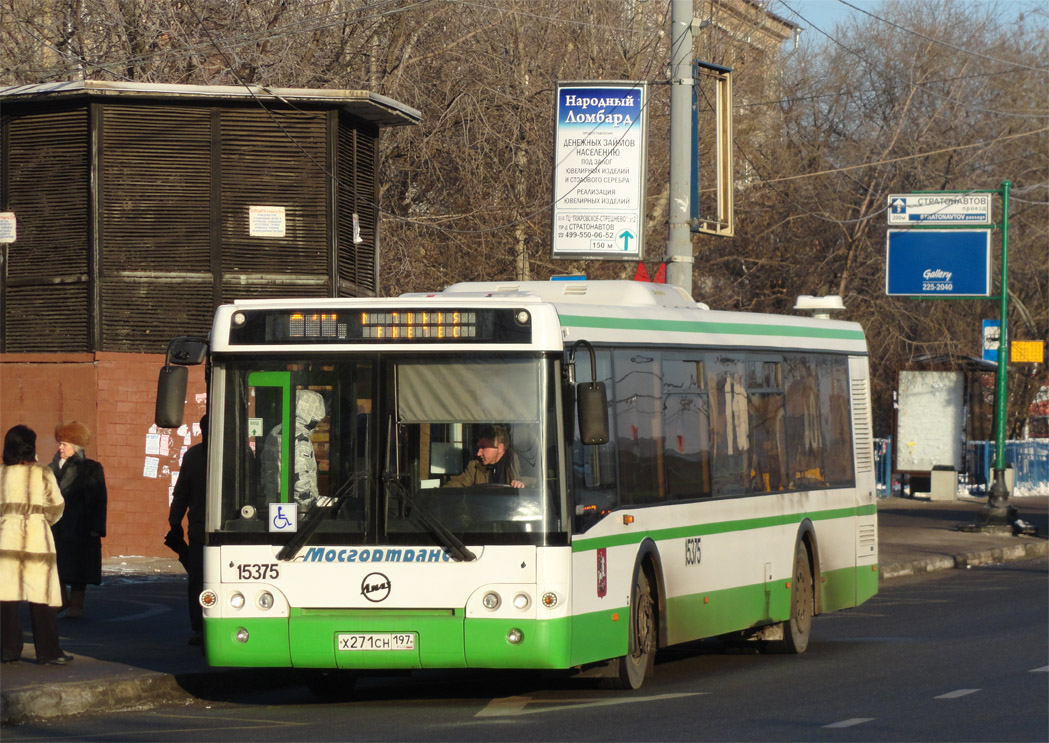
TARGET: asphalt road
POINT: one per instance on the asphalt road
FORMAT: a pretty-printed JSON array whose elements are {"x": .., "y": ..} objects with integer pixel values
[{"x": 954, "y": 656}]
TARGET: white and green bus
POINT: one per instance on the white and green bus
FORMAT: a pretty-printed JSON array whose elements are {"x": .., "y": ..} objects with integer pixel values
[{"x": 679, "y": 473}]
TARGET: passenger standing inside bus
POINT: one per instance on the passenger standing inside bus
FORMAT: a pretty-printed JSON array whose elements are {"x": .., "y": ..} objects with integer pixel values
[
  {"x": 309, "y": 411},
  {"x": 78, "y": 536},
  {"x": 495, "y": 463},
  {"x": 187, "y": 500},
  {"x": 30, "y": 503}
]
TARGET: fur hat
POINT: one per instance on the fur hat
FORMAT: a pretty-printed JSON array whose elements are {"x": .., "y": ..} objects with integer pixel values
[{"x": 74, "y": 432}]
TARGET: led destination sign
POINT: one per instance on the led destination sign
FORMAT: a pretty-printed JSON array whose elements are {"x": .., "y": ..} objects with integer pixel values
[{"x": 263, "y": 327}]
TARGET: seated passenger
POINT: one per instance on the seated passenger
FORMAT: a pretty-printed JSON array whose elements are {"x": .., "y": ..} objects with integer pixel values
[{"x": 495, "y": 463}]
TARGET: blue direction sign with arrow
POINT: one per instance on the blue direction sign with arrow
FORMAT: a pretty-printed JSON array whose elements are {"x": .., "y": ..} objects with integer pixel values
[{"x": 939, "y": 208}]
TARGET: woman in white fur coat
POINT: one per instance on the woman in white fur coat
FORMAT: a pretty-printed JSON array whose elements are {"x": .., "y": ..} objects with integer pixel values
[{"x": 30, "y": 502}]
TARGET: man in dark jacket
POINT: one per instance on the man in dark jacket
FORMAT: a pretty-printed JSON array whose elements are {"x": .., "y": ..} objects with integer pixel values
[
  {"x": 188, "y": 500},
  {"x": 495, "y": 463}
]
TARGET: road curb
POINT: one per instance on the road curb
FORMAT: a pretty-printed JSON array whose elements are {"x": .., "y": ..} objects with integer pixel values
[
  {"x": 76, "y": 697},
  {"x": 65, "y": 699},
  {"x": 994, "y": 556}
]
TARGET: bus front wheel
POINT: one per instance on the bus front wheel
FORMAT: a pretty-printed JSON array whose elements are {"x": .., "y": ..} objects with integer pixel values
[
  {"x": 796, "y": 629},
  {"x": 629, "y": 671}
]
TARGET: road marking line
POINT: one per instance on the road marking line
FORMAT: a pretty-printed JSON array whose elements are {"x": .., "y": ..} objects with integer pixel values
[
  {"x": 957, "y": 693},
  {"x": 850, "y": 722},
  {"x": 511, "y": 706},
  {"x": 1043, "y": 669}
]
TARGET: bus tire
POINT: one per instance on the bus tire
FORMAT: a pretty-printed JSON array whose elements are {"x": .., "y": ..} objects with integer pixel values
[
  {"x": 796, "y": 629},
  {"x": 331, "y": 685},
  {"x": 630, "y": 670}
]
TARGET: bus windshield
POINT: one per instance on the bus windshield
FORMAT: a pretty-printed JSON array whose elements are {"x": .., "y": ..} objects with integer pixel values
[{"x": 386, "y": 449}]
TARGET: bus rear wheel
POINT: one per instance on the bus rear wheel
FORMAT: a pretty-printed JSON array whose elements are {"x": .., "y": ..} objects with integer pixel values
[
  {"x": 629, "y": 671},
  {"x": 796, "y": 629}
]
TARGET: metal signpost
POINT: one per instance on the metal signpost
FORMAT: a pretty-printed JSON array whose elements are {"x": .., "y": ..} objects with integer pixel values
[
  {"x": 955, "y": 263},
  {"x": 599, "y": 176}
]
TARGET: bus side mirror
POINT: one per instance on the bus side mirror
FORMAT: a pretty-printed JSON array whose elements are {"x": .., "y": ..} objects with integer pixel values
[
  {"x": 182, "y": 351},
  {"x": 171, "y": 396},
  {"x": 592, "y": 403}
]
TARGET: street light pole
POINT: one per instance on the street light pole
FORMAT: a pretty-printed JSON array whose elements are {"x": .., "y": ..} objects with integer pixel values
[
  {"x": 679, "y": 239},
  {"x": 997, "y": 511}
]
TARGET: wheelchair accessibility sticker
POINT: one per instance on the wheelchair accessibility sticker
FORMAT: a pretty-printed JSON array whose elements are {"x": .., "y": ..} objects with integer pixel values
[{"x": 284, "y": 517}]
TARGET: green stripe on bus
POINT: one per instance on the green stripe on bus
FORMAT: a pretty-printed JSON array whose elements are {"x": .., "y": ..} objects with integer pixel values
[
  {"x": 720, "y": 527},
  {"x": 719, "y": 328}
]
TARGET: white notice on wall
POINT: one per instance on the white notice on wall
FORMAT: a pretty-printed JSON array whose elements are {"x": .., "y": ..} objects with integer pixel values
[
  {"x": 151, "y": 467},
  {"x": 266, "y": 221},
  {"x": 8, "y": 227},
  {"x": 152, "y": 443}
]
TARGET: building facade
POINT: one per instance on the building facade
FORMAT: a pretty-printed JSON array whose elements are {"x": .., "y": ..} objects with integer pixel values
[{"x": 137, "y": 209}]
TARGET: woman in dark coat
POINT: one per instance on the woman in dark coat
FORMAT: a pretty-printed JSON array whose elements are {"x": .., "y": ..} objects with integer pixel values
[{"x": 78, "y": 534}]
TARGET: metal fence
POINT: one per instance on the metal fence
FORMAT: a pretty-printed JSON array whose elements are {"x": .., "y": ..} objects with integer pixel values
[{"x": 1029, "y": 460}]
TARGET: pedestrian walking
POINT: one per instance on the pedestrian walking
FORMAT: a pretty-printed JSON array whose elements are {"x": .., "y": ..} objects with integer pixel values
[
  {"x": 78, "y": 535},
  {"x": 188, "y": 501},
  {"x": 30, "y": 503}
]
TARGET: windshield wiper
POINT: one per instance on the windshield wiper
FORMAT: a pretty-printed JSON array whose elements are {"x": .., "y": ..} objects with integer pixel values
[
  {"x": 439, "y": 531},
  {"x": 321, "y": 509}
]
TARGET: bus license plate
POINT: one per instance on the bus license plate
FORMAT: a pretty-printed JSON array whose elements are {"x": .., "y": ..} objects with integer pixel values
[{"x": 377, "y": 641}]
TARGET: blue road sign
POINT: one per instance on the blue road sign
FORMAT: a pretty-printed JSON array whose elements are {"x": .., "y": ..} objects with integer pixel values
[
  {"x": 972, "y": 209},
  {"x": 938, "y": 263},
  {"x": 991, "y": 332}
]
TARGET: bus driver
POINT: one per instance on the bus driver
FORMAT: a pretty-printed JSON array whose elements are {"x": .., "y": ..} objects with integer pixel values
[{"x": 495, "y": 463}]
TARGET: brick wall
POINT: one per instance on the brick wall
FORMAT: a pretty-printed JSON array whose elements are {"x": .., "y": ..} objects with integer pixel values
[{"x": 114, "y": 395}]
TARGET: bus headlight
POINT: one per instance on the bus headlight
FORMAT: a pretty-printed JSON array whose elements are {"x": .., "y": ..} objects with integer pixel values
[
  {"x": 236, "y": 600},
  {"x": 491, "y": 601},
  {"x": 265, "y": 600},
  {"x": 522, "y": 601}
]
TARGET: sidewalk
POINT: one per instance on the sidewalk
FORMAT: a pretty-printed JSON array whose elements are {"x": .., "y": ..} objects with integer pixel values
[{"x": 131, "y": 647}]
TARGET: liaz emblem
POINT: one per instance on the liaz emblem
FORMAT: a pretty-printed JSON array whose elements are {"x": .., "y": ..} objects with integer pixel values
[{"x": 375, "y": 587}]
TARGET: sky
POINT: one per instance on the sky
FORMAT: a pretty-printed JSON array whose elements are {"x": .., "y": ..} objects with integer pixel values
[{"x": 824, "y": 14}]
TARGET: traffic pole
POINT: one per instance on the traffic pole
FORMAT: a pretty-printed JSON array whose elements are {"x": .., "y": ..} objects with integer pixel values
[
  {"x": 997, "y": 512},
  {"x": 679, "y": 239}
]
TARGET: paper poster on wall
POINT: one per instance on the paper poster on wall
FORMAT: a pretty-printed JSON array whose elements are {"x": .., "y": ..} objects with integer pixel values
[
  {"x": 266, "y": 221},
  {"x": 8, "y": 227}
]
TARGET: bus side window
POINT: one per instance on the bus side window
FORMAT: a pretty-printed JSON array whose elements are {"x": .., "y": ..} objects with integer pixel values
[
  {"x": 686, "y": 424},
  {"x": 768, "y": 457},
  {"x": 730, "y": 425},
  {"x": 637, "y": 402},
  {"x": 802, "y": 422},
  {"x": 593, "y": 467},
  {"x": 837, "y": 417}
]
